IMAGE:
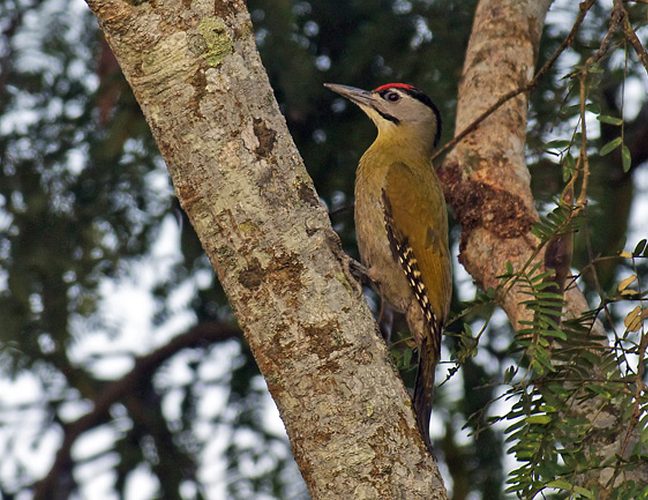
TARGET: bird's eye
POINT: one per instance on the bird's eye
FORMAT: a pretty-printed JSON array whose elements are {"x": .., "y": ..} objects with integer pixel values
[{"x": 392, "y": 96}]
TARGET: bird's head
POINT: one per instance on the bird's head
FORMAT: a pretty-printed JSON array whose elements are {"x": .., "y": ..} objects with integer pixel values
[{"x": 400, "y": 111}]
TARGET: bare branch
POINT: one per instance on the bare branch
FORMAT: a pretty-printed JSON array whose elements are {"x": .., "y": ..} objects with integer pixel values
[
  {"x": 201, "y": 335},
  {"x": 631, "y": 35}
]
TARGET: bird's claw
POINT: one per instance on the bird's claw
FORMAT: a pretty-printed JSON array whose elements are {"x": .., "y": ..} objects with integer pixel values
[{"x": 359, "y": 271}]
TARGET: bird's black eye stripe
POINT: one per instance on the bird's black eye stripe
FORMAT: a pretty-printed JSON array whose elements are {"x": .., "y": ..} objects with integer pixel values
[
  {"x": 418, "y": 95},
  {"x": 387, "y": 116}
]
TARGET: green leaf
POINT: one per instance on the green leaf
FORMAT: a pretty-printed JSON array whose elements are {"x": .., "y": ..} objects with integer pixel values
[
  {"x": 558, "y": 144},
  {"x": 594, "y": 68},
  {"x": 612, "y": 120},
  {"x": 583, "y": 491},
  {"x": 641, "y": 246},
  {"x": 541, "y": 276},
  {"x": 540, "y": 360},
  {"x": 566, "y": 111},
  {"x": 569, "y": 164},
  {"x": 560, "y": 484},
  {"x": 553, "y": 296},
  {"x": 538, "y": 419},
  {"x": 611, "y": 146},
  {"x": 626, "y": 159},
  {"x": 593, "y": 108},
  {"x": 558, "y": 334}
]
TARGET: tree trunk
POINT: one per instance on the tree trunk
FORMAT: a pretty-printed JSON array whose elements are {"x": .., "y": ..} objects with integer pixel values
[
  {"x": 487, "y": 185},
  {"x": 197, "y": 76}
]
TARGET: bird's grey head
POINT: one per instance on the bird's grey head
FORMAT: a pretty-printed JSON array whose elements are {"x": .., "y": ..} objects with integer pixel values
[{"x": 396, "y": 109}]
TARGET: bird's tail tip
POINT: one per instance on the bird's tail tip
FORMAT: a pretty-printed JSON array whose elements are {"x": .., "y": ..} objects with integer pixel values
[{"x": 424, "y": 390}]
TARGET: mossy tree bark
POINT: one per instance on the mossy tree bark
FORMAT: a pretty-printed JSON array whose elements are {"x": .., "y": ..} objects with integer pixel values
[{"x": 196, "y": 73}]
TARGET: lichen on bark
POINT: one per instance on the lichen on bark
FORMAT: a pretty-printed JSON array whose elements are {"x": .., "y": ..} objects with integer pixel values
[{"x": 217, "y": 40}]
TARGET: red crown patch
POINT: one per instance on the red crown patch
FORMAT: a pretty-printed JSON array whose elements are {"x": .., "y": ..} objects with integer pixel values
[{"x": 404, "y": 86}]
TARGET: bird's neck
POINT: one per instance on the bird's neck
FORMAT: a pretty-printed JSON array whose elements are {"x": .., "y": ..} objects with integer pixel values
[
  {"x": 384, "y": 152},
  {"x": 405, "y": 144}
]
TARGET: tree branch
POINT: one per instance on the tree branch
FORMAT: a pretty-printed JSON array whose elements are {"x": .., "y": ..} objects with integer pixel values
[
  {"x": 631, "y": 36},
  {"x": 201, "y": 335},
  {"x": 486, "y": 180},
  {"x": 584, "y": 7},
  {"x": 197, "y": 76},
  {"x": 488, "y": 185}
]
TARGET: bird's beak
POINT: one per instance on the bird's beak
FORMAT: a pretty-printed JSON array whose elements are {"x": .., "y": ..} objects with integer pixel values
[{"x": 357, "y": 96}]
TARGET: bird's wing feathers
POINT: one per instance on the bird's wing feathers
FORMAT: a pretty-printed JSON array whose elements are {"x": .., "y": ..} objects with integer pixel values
[
  {"x": 416, "y": 218},
  {"x": 417, "y": 228}
]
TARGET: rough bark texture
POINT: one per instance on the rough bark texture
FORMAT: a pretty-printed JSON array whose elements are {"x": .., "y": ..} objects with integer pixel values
[
  {"x": 486, "y": 179},
  {"x": 488, "y": 185},
  {"x": 196, "y": 73}
]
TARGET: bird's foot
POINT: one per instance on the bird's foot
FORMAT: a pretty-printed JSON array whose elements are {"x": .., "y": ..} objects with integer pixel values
[
  {"x": 360, "y": 275},
  {"x": 386, "y": 321},
  {"x": 359, "y": 271}
]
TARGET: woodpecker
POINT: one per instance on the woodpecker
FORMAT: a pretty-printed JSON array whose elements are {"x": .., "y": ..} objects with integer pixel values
[{"x": 401, "y": 221}]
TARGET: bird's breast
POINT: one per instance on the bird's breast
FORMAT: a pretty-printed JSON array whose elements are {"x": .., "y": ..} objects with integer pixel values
[{"x": 371, "y": 235}]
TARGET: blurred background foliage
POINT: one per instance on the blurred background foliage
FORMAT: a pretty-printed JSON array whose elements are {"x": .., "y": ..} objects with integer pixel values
[{"x": 87, "y": 216}]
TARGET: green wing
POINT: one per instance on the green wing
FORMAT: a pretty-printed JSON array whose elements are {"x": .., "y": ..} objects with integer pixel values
[{"x": 416, "y": 217}]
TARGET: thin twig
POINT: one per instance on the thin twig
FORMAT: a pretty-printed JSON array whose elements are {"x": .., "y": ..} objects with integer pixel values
[
  {"x": 632, "y": 37},
  {"x": 615, "y": 20},
  {"x": 584, "y": 159}
]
